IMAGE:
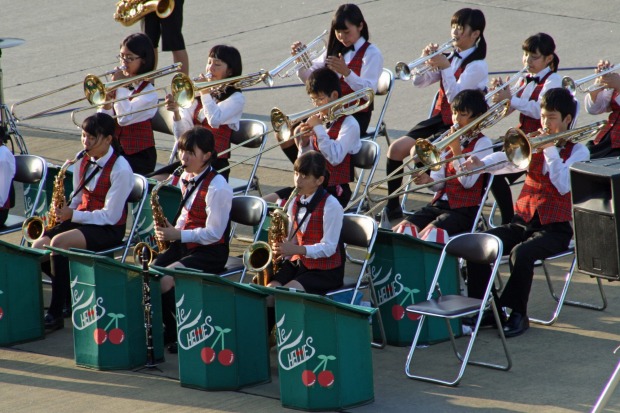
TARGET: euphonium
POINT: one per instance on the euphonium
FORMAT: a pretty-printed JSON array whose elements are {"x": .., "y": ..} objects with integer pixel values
[
  {"x": 130, "y": 11},
  {"x": 34, "y": 227},
  {"x": 259, "y": 254}
]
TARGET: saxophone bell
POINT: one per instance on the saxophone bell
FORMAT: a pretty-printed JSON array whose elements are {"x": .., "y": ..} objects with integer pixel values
[{"x": 33, "y": 229}]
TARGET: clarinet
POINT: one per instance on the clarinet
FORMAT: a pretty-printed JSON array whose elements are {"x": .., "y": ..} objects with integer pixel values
[{"x": 148, "y": 311}]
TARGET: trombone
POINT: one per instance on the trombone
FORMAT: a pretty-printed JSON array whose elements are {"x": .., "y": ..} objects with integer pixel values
[
  {"x": 519, "y": 147},
  {"x": 346, "y": 105},
  {"x": 301, "y": 60},
  {"x": 574, "y": 85},
  {"x": 514, "y": 89},
  {"x": 51, "y": 92},
  {"x": 405, "y": 70}
]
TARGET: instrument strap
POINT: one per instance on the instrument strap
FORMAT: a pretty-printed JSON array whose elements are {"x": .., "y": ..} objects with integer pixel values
[
  {"x": 84, "y": 183},
  {"x": 318, "y": 197},
  {"x": 188, "y": 194}
]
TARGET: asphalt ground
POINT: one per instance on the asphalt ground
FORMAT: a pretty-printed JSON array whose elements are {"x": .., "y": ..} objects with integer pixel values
[{"x": 561, "y": 368}]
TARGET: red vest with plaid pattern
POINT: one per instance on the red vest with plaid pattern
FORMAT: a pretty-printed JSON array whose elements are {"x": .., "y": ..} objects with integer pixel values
[
  {"x": 458, "y": 196},
  {"x": 313, "y": 235},
  {"x": 442, "y": 106},
  {"x": 539, "y": 194},
  {"x": 341, "y": 173},
  {"x": 197, "y": 214},
  {"x": 526, "y": 123},
  {"x": 221, "y": 134},
  {"x": 613, "y": 124},
  {"x": 356, "y": 66},
  {"x": 137, "y": 136},
  {"x": 95, "y": 199}
]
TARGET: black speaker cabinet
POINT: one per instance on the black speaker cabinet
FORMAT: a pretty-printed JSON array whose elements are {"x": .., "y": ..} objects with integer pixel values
[{"x": 595, "y": 188}]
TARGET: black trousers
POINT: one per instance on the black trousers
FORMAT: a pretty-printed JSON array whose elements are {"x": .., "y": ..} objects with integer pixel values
[
  {"x": 526, "y": 243},
  {"x": 603, "y": 149}
]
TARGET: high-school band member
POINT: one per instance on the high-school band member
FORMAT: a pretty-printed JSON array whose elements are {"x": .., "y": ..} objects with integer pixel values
[
  {"x": 134, "y": 131},
  {"x": 607, "y": 142},
  {"x": 541, "y": 226},
  {"x": 199, "y": 237},
  {"x": 311, "y": 258},
  {"x": 542, "y": 63},
  {"x": 217, "y": 110},
  {"x": 456, "y": 201},
  {"x": 350, "y": 54},
  {"x": 7, "y": 173},
  {"x": 95, "y": 217},
  {"x": 337, "y": 142},
  {"x": 463, "y": 69}
]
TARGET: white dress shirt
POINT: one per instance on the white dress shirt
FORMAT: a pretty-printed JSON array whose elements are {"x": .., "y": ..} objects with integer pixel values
[
  {"x": 7, "y": 172},
  {"x": 121, "y": 184},
  {"x": 558, "y": 170},
  {"x": 227, "y": 112},
  {"x": 372, "y": 67},
  {"x": 335, "y": 150},
  {"x": 218, "y": 204},
  {"x": 148, "y": 100},
  {"x": 475, "y": 76},
  {"x": 484, "y": 146},
  {"x": 529, "y": 107},
  {"x": 333, "y": 216},
  {"x": 602, "y": 103}
]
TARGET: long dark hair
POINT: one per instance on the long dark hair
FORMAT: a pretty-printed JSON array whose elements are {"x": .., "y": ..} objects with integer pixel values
[
  {"x": 474, "y": 18},
  {"x": 345, "y": 13},
  {"x": 543, "y": 43},
  {"x": 102, "y": 125},
  {"x": 141, "y": 45},
  {"x": 231, "y": 56},
  {"x": 198, "y": 137}
]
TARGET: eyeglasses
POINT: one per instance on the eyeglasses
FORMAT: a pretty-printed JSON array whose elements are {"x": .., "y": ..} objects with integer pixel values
[
  {"x": 127, "y": 59},
  {"x": 316, "y": 101}
]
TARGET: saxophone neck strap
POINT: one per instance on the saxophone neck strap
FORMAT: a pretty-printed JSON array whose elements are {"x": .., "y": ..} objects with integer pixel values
[
  {"x": 188, "y": 194},
  {"x": 318, "y": 197},
  {"x": 84, "y": 183}
]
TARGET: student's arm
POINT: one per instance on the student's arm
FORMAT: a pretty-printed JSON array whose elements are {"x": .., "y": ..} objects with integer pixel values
[
  {"x": 148, "y": 100},
  {"x": 475, "y": 76},
  {"x": 559, "y": 171},
  {"x": 332, "y": 226},
  {"x": 482, "y": 149},
  {"x": 227, "y": 112},
  {"x": 529, "y": 107},
  {"x": 7, "y": 172},
  {"x": 372, "y": 66},
  {"x": 348, "y": 141}
]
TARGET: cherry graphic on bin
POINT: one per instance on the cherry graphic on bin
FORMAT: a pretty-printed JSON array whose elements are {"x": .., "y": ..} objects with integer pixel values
[
  {"x": 325, "y": 377},
  {"x": 207, "y": 355},
  {"x": 398, "y": 310},
  {"x": 116, "y": 335},
  {"x": 226, "y": 357},
  {"x": 1, "y": 313}
]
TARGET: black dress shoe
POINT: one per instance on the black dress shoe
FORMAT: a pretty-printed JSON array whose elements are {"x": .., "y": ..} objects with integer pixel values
[
  {"x": 516, "y": 325},
  {"x": 173, "y": 348},
  {"x": 391, "y": 213},
  {"x": 487, "y": 319},
  {"x": 53, "y": 323}
]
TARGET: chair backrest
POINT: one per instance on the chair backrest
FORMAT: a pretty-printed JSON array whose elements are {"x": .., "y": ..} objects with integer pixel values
[
  {"x": 368, "y": 155},
  {"x": 138, "y": 195},
  {"x": 29, "y": 169},
  {"x": 432, "y": 108},
  {"x": 139, "y": 190},
  {"x": 486, "y": 188},
  {"x": 162, "y": 121},
  {"x": 247, "y": 129},
  {"x": 359, "y": 230},
  {"x": 385, "y": 83},
  {"x": 477, "y": 247},
  {"x": 248, "y": 210}
]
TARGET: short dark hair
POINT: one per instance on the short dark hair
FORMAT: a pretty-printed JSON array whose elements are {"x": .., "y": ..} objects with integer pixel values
[
  {"x": 543, "y": 43},
  {"x": 141, "y": 45},
  {"x": 311, "y": 163},
  {"x": 198, "y": 137},
  {"x": 470, "y": 100},
  {"x": 561, "y": 100},
  {"x": 229, "y": 55},
  {"x": 345, "y": 13},
  {"x": 323, "y": 80}
]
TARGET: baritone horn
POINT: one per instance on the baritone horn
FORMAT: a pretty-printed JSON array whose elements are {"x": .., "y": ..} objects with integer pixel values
[
  {"x": 417, "y": 67},
  {"x": 519, "y": 147},
  {"x": 302, "y": 59},
  {"x": 129, "y": 12},
  {"x": 576, "y": 85}
]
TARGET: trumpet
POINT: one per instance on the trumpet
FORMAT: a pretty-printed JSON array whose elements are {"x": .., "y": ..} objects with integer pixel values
[
  {"x": 51, "y": 92},
  {"x": 302, "y": 59},
  {"x": 405, "y": 70},
  {"x": 514, "y": 89},
  {"x": 519, "y": 146},
  {"x": 574, "y": 85}
]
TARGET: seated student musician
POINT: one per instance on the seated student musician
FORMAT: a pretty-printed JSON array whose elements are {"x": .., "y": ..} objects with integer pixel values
[
  {"x": 311, "y": 258},
  {"x": 7, "y": 173},
  {"x": 94, "y": 219},
  {"x": 337, "y": 142},
  {"x": 199, "y": 237},
  {"x": 607, "y": 99},
  {"x": 217, "y": 110},
  {"x": 541, "y": 226},
  {"x": 456, "y": 201}
]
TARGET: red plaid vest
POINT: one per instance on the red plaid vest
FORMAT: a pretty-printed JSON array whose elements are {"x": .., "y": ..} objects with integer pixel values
[
  {"x": 613, "y": 124},
  {"x": 313, "y": 235},
  {"x": 539, "y": 194},
  {"x": 526, "y": 123},
  {"x": 95, "y": 200},
  {"x": 197, "y": 214},
  {"x": 458, "y": 196},
  {"x": 339, "y": 174},
  {"x": 221, "y": 134},
  {"x": 442, "y": 106},
  {"x": 137, "y": 136},
  {"x": 356, "y": 66}
]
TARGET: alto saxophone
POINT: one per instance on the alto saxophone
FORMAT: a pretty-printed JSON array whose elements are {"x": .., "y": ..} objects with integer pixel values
[
  {"x": 258, "y": 255},
  {"x": 34, "y": 227}
]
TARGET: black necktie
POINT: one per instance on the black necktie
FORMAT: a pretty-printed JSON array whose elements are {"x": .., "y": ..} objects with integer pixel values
[
  {"x": 187, "y": 182},
  {"x": 347, "y": 49},
  {"x": 455, "y": 54},
  {"x": 301, "y": 205},
  {"x": 534, "y": 79}
]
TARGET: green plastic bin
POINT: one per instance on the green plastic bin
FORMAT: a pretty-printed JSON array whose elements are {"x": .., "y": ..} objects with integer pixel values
[
  {"x": 222, "y": 332},
  {"x": 30, "y": 192},
  {"x": 324, "y": 351},
  {"x": 169, "y": 199},
  {"x": 402, "y": 269},
  {"x": 108, "y": 314},
  {"x": 21, "y": 294}
]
